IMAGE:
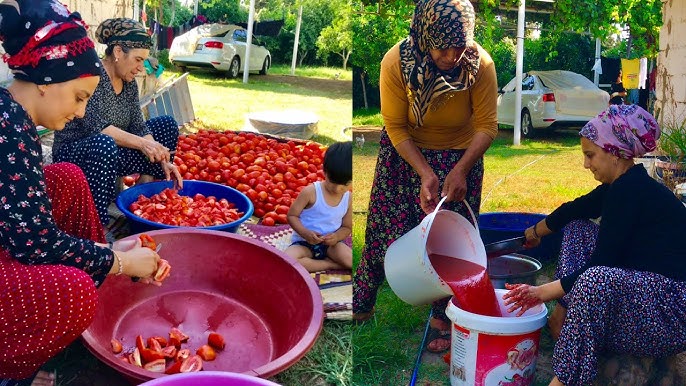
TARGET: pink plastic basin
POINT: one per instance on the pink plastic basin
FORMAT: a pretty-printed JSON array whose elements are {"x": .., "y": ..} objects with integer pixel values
[
  {"x": 209, "y": 378},
  {"x": 264, "y": 304}
]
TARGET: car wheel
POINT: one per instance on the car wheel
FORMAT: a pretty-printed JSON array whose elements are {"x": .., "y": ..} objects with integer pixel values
[
  {"x": 234, "y": 67},
  {"x": 527, "y": 125},
  {"x": 265, "y": 66},
  {"x": 183, "y": 69}
]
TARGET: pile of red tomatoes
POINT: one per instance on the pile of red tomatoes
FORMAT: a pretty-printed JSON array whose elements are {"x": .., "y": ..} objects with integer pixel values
[{"x": 270, "y": 172}]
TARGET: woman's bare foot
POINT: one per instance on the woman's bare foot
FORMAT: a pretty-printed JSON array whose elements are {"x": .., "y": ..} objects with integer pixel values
[
  {"x": 44, "y": 378},
  {"x": 556, "y": 320},
  {"x": 441, "y": 342}
]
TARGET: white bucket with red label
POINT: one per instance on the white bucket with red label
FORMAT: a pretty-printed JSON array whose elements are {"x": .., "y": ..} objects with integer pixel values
[{"x": 491, "y": 351}]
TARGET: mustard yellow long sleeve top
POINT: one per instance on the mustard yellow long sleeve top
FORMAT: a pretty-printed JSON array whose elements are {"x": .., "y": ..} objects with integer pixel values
[{"x": 452, "y": 119}]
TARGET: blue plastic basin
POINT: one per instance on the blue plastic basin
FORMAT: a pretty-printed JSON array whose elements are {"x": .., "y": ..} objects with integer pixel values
[
  {"x": 190, "y": 188},
  {"x": 497, "y": 226}
]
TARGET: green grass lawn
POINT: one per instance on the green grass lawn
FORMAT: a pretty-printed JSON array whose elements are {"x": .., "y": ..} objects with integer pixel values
[
  {"x": 313, "y": 72},
  {"x": 536, "y": 176},
  {"x": 223, "y": 104}
]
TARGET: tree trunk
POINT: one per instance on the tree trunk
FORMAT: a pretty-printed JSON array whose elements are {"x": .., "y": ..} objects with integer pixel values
[
  {"x": 302, "y": 57},
  {"x": 364, "y": 90},
  {"x": 173, "y": 12},
  {"x": 345, "y": 60}
]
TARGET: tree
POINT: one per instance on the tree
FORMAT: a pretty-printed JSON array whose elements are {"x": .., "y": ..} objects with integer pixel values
[
  {"x": 225, "y": 11},
  {"x": 376, "y": 28},
  {"x": 337, "y": 38}
]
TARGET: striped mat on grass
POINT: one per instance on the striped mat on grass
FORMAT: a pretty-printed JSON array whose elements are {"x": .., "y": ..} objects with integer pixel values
[{"x": 335, "y": 285}]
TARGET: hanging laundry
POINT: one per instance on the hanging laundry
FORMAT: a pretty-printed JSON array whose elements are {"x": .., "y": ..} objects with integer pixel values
[
  {"x": 630, "y": 69},
  {"x": 642, "y": 72}
]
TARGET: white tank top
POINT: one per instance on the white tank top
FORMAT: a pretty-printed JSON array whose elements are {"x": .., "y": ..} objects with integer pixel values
[{"x": 322, "y": 217}]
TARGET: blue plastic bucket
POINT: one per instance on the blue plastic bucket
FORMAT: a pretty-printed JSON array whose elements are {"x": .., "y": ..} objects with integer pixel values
[
  {"x": 190, "y": 188},
  {"x": 497, "y": 226}
]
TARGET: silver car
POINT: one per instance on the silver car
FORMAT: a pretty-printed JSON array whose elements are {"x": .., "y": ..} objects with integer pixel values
[
  {"x": 220, "y": 47},
  {"x": 551, "y": 99}
]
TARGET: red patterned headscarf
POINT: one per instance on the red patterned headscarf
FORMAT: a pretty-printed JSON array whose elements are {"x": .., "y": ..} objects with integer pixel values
[
  {"x": 438, "y": 24},
  {"x": 625, "y": 131},
  {"x": 44, "y": 43}
]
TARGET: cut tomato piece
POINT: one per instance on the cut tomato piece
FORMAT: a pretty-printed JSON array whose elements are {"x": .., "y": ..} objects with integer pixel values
[
  {"x": 140, "y": 343},
  {"x": 183, "y": 354},
  {"x": 191, "y": 364},
  {"x": 160, "y": 339},
  {"x": 156, "y": 366},
  {"x": 176, "y": 333},
  {"x": 206, "y": 352},
  {"x": 135, "y": 358},
  {"x": 163, "y": 269},
  {"x": 169, "y": 352},
  {"x": 147, "y": 241},
  {"x": 149, "y": 355},
  {"x": 216, "y": 341},
  {"x": 116, "y": 346},
  {"x": 154, "y": 345},
  {"x": 175, "y": 368}
]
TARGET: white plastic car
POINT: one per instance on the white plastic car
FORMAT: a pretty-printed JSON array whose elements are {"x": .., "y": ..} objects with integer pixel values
[
  {"x": 218, "y": 46},
  {"x": 551, "y": 99}
]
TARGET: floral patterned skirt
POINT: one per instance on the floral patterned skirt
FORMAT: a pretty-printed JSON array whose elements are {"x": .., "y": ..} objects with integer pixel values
[
  {"x": 394, "y": 209},
  {"x": 613, "y": 309}
]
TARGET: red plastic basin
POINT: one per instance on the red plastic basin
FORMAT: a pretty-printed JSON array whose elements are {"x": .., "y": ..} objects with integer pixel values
[
  {"x": 266, "y": 305},
  {"x": 209, "y": 378}
]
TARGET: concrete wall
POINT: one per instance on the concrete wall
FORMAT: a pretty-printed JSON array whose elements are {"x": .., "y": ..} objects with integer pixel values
[
  {"x": 670, "y": 104},
  {"x": 93, "y": 12}
]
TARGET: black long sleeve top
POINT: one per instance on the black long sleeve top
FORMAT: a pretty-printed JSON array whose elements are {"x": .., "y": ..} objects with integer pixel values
[
  {"x": 641, "y": 228},
  {"x": 105, "y": 108}
]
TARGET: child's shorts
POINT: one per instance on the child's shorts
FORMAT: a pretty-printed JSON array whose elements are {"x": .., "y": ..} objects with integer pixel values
[{"x": 318, "y": 250}]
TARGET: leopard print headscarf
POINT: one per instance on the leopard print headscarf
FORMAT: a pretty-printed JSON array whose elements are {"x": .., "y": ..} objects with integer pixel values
[
  {"x": 438, "y": 24},
  {"x": 123, "y": 32}
]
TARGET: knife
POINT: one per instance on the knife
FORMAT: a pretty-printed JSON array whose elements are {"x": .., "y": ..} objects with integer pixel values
[{"x": 505, "y": 247}]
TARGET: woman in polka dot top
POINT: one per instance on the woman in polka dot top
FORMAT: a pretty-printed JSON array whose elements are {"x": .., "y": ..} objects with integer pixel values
[
  {"x": 53, "y": 253},
  {"x": 113, "y": 139}
]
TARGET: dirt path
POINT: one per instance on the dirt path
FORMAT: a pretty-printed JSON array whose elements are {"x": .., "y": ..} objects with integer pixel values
[{"x": 331, "y": 85}]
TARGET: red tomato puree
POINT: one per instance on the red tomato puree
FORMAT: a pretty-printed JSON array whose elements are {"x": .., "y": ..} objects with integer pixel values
[{"x": 469, "y": 281}]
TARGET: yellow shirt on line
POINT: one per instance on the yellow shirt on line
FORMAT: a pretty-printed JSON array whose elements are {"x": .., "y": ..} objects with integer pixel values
[{"x": 452, "y": 119}]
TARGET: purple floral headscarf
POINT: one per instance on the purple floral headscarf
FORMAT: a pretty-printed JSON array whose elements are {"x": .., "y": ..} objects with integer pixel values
[{"x": 625, "y": 131}]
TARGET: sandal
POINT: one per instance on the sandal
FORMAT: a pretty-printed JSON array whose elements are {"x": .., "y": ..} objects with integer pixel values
[
  {"x": 434, "y": 335},
  {"x": 361, "y": 317}
]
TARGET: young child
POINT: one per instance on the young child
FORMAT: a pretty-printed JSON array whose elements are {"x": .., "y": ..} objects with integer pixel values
[{"x": 321, "y": 215}]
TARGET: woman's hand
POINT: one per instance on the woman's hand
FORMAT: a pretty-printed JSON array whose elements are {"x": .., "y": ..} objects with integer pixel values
[
  {"x": 155, "y": 151},
  {"x": 455, "y": 185},
  {"x": 171, "y": 170},
  {"x": 428, "y": 193},
  {"x": 532, "y": 240},
  {"x": 139, "y": 262},
  {"x": 522, "y": 297}
]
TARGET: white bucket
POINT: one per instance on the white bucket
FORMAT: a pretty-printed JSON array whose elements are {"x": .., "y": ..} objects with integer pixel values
[
  {"x": 408, "y": 269},
  {"x": 487, "y": 350}
]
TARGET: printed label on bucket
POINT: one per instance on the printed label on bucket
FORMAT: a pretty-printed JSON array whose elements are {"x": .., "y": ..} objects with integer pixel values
[{"x": 492, "y": 360}]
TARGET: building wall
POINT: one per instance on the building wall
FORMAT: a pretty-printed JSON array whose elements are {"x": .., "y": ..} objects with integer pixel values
[
  {"x": 670, "y": 87},
  {"x": 93, "y": 12}
]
